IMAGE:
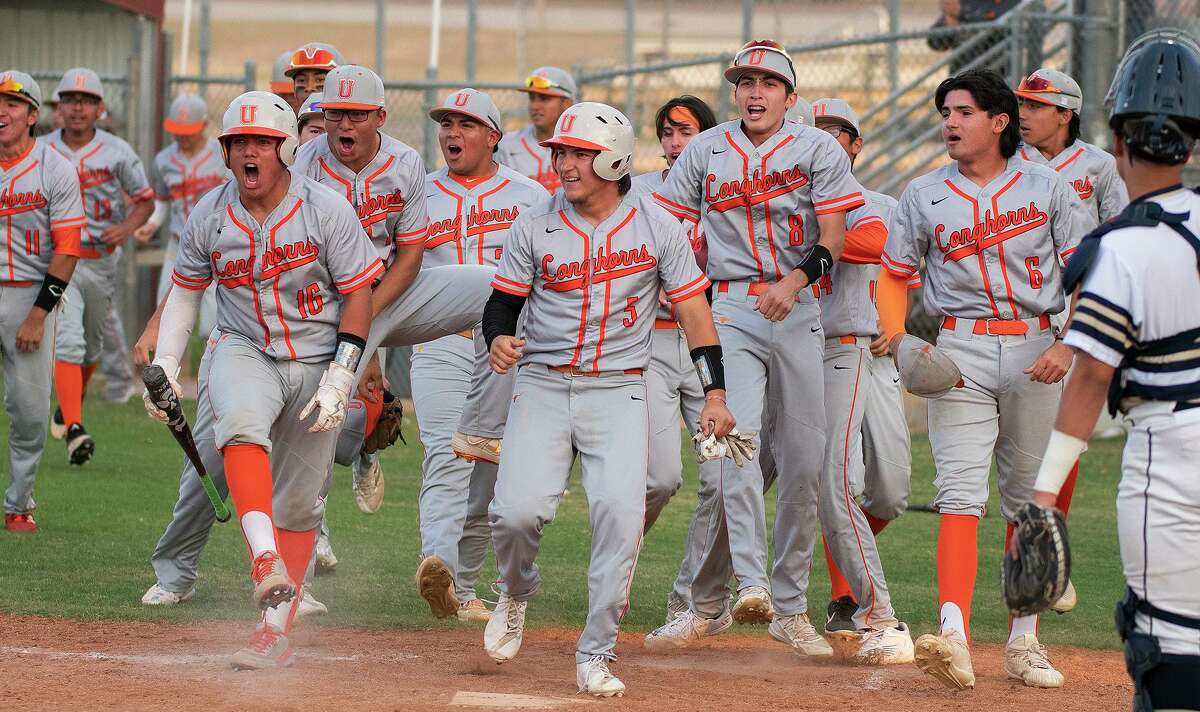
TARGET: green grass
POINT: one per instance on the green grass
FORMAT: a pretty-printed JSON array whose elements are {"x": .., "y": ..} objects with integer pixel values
[{"x": 99, "y": 525}]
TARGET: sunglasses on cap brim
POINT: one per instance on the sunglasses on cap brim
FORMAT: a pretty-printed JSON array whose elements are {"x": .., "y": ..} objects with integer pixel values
[
  {"x": 321, "y": 59},
  {"x": 1039, "y": 85},
  {"x": 12, "y": 86},
  {"x": 539, "y": 82}
]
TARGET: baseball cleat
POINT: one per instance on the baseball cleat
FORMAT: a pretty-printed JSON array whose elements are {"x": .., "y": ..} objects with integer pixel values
[
  {"x": 1067, "y": 602},
  {"x": 503, "y": 634},
  {"x": 885, "y": 646},
  {"x": 753, "y": 606},
  {"x": 676, "y": 604},
  {"x": 687, "y": 628},
  {"x": 470, "y": 447},
  {"x": 436, "y": 586},
  {"x": 1025, "y": 659},
  {"x": 326, "y": 562},
  {"x": 594, "y": 678},
  {"x": 367, "y": 472},
  {"x": 20, "y": 522},
  {"x": 156, "y": 595},
  {"x": 268, "y": 649},
  {"x": 839, "y": 616},
  {"x": 272, "y": 585},
  {"x": 58, "y": 429},
  {"x": 947, "y": 658},
  {"x": 474, "y": 611},
  {"x": 798, "y": 632},
  {"x": 309, "y": 605},
  {"x": 80, "y": 446}
]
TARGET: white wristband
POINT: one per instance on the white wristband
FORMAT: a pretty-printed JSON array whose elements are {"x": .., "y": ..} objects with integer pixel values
[{"x": 1062, "y": 452}]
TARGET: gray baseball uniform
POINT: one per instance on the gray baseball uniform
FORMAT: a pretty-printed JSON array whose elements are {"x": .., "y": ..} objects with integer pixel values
[
  {"x": 1092, "y": 173},
  {"x": 757, "y": 207},
  {"x": 108, "y": 171},
  {"x": 1128, "y": 317},
  {"x": 468, "y": 226},
  {"x": 278, "y": 310},
  {"x": 591, "y": 296},
  {"x": 521, "y": 152},
  {"x": 180, "y": 181},
  {"x": 40, "y": 203},
  {"x": 992, "y": 256}
]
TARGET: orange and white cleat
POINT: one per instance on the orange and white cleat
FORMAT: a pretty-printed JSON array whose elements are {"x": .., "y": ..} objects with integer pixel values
[{"x": 272, "y": 585}]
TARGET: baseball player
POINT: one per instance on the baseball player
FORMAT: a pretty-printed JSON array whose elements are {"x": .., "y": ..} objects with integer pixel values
[
  {"x": 42, "y": 209},
  {"x": 309, "y": 119},
  {"x": 1135, "y": 347},
  {"x": 472, "y": 204},
  {"x": 993, "y": 230},
  {"x": 671, "y": 383},
  {"x": 589, "y": 265},
  {"x": 848, "y": 317},
  {"x": 769, "y": 196},
  {"x": 281, "y": 84},
  {"x": 291, "y": 262},
  {"x": 109, "y": 171},
  {"x": 551, "y": 90},
  {"x": 1050, "y": 103},
  {"x": 309, "y": 65},
  {"x": 385, "y": 181}
]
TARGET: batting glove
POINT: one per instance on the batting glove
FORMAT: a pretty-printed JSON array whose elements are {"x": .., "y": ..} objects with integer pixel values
[
  {"x": 152, "y": 408},
  {"x": 330, "y": 399}
]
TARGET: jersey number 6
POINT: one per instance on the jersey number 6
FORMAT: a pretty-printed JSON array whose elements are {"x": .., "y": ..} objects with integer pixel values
[{"x": 1035, "y": 276}]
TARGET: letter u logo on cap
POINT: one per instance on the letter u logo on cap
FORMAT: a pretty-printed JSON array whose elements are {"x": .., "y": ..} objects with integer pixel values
[
  {"x": 567, "y": 122},
  {"x": 345, "y": 88},
  {"x": 756, "y": 57},
  {"x": 183, "y": 114},
  {"x": 462, "y": 98},
  {"x": 249, "y": 111},
  {"x": 80, "y": 81}
]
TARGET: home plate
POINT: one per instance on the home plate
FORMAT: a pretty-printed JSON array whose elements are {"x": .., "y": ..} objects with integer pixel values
[{"x": 496, "y": 700}]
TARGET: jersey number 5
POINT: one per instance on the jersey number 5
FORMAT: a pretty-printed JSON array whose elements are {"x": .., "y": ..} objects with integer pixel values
[
  {"x": 1035, "y": 276},
  {"x": 309, "y": 301},
  {"x": 630, "y": 317}
]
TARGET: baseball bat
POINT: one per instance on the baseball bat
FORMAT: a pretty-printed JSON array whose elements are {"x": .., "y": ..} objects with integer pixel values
[{"x": 164, "y": 396}]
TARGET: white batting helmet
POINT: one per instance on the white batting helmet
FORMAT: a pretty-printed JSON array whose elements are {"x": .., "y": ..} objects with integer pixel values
[
  {"x": 597, "y": 127},
  {"x": 261, "y": 113}
]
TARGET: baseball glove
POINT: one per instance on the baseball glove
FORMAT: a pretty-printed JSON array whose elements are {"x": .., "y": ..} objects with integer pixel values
[
  {"x": 387, "y": 428},
  {"x": 1037, "y": 564}
]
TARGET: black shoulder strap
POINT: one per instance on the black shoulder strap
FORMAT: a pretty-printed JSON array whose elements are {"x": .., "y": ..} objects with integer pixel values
[{"x": 1141, "y": 214}]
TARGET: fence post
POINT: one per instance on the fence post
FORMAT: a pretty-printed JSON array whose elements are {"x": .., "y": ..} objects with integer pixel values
[
  {"x": 747, "y": 20},
  {"x": 722, "y": 95},
  {"x": 380, "y": 32},
  {"x": 168, "y": 88},
  {"x": 1100, "y": 54},
  {"x": 630, "y": 88},
  {"x": 248, "y": 76},
  {"x": 428, "y": 135},
  {"x": 472, "y": 27},
  {"x": 893, "y": 48},
  {"x": 205, "y": 13}
]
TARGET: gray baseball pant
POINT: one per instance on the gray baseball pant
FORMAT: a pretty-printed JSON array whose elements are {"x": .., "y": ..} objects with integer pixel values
[
  {"x": 555, "y": 417},
  {"x": 27, "y": 384},
  {"x": 886, "y": 444}
]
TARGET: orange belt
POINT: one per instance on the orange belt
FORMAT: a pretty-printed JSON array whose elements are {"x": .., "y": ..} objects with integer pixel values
[
  {"x": 91, "y": 253},
  {"x": 848, "y": 339},
  {"x": 666, "y": 324},
  {"x": 466, "y": 334},
  {"x": 17, "y": 283},
  {"x": 754, "y": 289},
  {"x": 572, "y": 371},
  {"x": 998, "y": 327}
]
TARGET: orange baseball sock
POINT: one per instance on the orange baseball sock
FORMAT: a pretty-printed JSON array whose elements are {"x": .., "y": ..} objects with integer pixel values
[
  {"x": 957, "y": 564},
  {"x": 1068, "y": 491},
  {"x": 248, "y": 472},
  {"x": 296, "y": 548},
  {"x": 839, "y": 586},
  {"x": 68, "y": 382},
  {"x": 877, "y": 524},
  {"x": 86, "y": 372}
]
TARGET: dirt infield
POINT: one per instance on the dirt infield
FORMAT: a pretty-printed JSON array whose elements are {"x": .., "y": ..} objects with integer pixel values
[{"x": 56, "y": 664}]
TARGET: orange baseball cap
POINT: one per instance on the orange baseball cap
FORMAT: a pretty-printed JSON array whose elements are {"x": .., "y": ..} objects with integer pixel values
[
  {"x": 187, "y": 116},
  {"x": 280, "y": 82}
]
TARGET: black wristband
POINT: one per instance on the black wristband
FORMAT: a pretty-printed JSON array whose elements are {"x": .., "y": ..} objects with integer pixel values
[
  {"x": 818, "y": 262},
  {"x": 349, "y": 350},
  {"x": 50, "y": 293},
  {"x": 500, "y": 315},
  {"x": 709, "y": 367}
]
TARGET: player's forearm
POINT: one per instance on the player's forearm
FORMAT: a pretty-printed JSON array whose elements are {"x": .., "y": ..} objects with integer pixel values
[
  {"x": 356, "y": 314},
  {"x": 62, "y": 267},
  {"x": 1085, "y": 395},
  {"x": 891, "y": 301},
  {"x": 141, "y": 212},
  {"x": 158, "y": 215},
  {"x": 695, "y": 317},
  {"x": 178, "y": 317},
  {"x": 833, "y": 233},
  {"x": 51, "y": 290},
  {"x": 398, "y": 277},
  {"x": 500, "y": 315}
]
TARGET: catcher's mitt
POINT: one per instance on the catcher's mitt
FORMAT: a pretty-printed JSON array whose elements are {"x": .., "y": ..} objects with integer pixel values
[
  {"x": 1037, "y": 565},
  {"x": 387, "y": 428}
]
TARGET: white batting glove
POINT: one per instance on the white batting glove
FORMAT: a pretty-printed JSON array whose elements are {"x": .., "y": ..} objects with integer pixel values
[
  {"x": 330, "y": 399},
  {"x": 741, "y": 445},
  {"x": 152, "y": 409},
  {"x": 709, "y": 447}
]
